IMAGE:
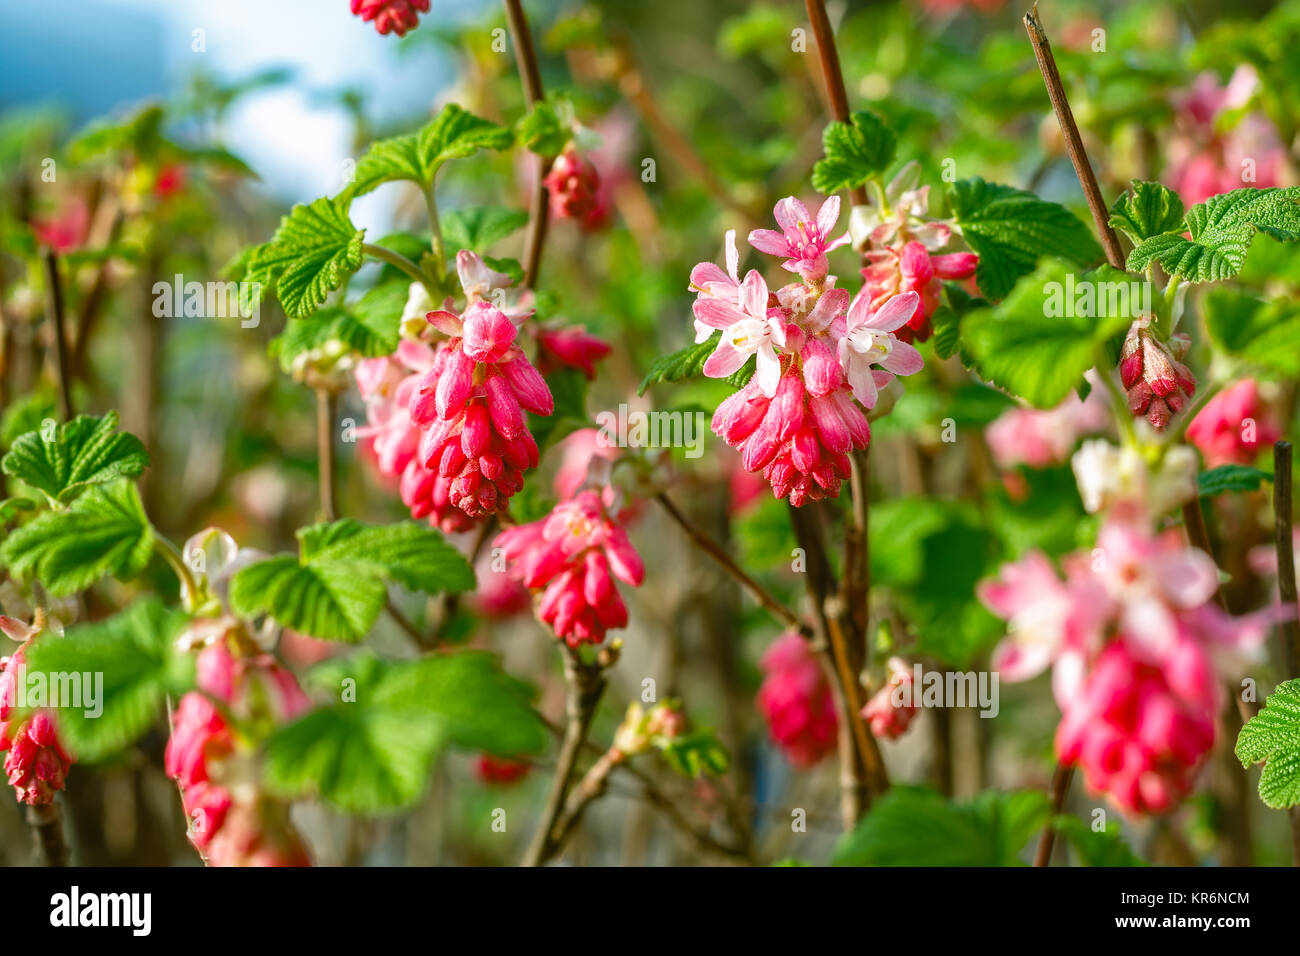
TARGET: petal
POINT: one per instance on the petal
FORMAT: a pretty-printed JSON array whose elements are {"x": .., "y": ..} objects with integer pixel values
[
  {"x": 733, "y": 256},
  {"x": 832, "y": 303},
  {"x": 789, "y": 212},
  {"x": 895, "y": 313},
  {"x": 903, "y": 359},
  {"x": 725, "y": 360},
  {"x": 716, "y": 313},
  {"x": 753, "y": 295},
  {"x": 769, "y": 241},
  {"x": 828, "y": 215},
  {"x": 955, "y": 265},
  {"x": 858, "y": 370},
  {"x": 768, "y": 375}
]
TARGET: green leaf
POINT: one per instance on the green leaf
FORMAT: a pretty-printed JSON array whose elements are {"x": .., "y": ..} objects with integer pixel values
[
  {"x": 696, "y": 754},
  {"x": 1221, "y": 231},
  {"x": 454, "y": 133},
  {"x": 65, "y": 460},
  {"x": 1097, "y": 847},
  {"x": 1012, "y": 229},
  {"x": 414, "y": 555},
  {"x": 479, "y": 227},
  {"x": 372, "y": 751},
  {"x": 911, "y": 826},
  {"x": 105, "y": 531},
  {"x": 1216, "y": 481},
  {"x": 10, "y": 508},
  {"x": 134, "y": 655},
  {"x": 542, "y": 131},
  {"x": 337, "y": 586},
  {"x": 307, "y": 258},
  {"x": 140, "y": 134},
  {"x": 1019, "y": 347},
  {"x": 689, "y": 363},
  {"x": 1149, "y": 210},
  {"x": 1265, "y": 334},
  {"x": 1273, "y": 736},
  {"x": 363, "y": 328},
  {"x": 337, "y": 601},
  {"x": 855, "y": 151}
]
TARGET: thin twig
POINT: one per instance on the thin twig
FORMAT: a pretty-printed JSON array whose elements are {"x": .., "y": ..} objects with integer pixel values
[
  {"x": 60, "y": 337},
  {"x": 1060, "y": 787},
  {"x": 1286, "y": 586},
  {"x": 530, "y": 75},
  {"x": 326, "y": 408},
  {"x": 716, "y": 551},
  {"x": 586, "y": 685},
  {"x": 46, "y": 822},
  {"x": 1073, "y": 141},
  {"x": 836, "y": 92}
]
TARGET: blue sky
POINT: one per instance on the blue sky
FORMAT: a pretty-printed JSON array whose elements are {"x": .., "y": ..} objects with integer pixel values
[{"x": 94, "y": 55}]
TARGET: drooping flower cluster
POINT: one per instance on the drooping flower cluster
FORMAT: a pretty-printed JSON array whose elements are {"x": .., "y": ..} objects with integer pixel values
[
  {"x": 1234, "y": 426},
  {"x": 573, "y": 186},
  {"x": 817, "y": 349},
  {"x": 470, "y": 404},
  {"x": 232, "y": 822},
  {"x": 796, "y": 701},
  {"x": 572, "y": 557},
  {"x": 391, "y": 16},
  {"x": 1158, "y": 385},
  {"x": 1219, "y": 145},
  {"x": 899, "y": 243},
  {"x": 1134, "y": 642},
  {"x": 891, "y": 709},
  {"x": 37, "y": 763},
  {"x": 1124, "y": 483},
  {"x": 387, "y": 386}
]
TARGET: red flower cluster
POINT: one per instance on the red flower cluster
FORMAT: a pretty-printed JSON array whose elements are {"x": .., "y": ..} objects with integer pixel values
[
  {"x": 796, "y": 701},
  {"x": 37, "y": 764},
  {"x": 391, "y": 16}
]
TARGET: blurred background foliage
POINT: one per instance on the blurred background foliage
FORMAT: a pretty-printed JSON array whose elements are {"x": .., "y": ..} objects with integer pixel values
[{"x": 706, "y": 113}]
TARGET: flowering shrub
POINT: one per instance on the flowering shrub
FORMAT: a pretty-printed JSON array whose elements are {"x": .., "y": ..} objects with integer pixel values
[{"x": 537, "y": 461}]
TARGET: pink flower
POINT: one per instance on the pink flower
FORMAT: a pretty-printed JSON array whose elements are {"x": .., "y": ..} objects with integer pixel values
[
  {"x": 748, "y": 327},
  {"x": 37, "y": 765},
  {"x": 910, "y": 267},
  {"x": 799, "y": 439},
  {"x": 231, "y": 821},
  {"x": 869, "y": 340},
  {"x": 1137, "y": 649},
  {"x": 573, "y": 557},
  {"x": 1041, "y": 439},
  {"x": 1158, "y": 385},
  {"x": 470, "y": 405},
  {"x": 1233, "y": 426},
  {"x": 391, "y": 16},
  {"x": 65, "y": 231},
  {"x": 802, "y": 240},
  {"x": 572, "y": 347},
  {"x": 796, "y": 701},
  {"x": 574, "y": 187},
  {"x": 891, "y": 709},
  {"x": 1137, "y": 738},
  {"x": 1212, "y": 152}
]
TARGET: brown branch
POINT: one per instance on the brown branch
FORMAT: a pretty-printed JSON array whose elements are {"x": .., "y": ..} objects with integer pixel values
[
  {"x": 1073, "y": 141},
  {"x": 326, "y": 409},
  {"x": 833, "y": 75},
  {"x": 716, "y": 551},
  {"x": 1286, "y": 586},
  {"x": 586, "y": 685},
  {"x": 56, "y": 319},
  {"x": 530, "y": 75},
  {"x": 46, "y": 822},
  {"x": 1060, "y": 787}
]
